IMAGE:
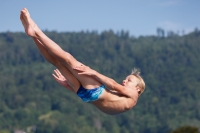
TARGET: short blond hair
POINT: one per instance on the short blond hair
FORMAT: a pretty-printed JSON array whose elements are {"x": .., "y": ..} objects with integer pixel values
[{"x": 141, "y": 83}]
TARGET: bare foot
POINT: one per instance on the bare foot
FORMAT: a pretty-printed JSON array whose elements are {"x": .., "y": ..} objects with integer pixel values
[{"x": 29, "y": 25}]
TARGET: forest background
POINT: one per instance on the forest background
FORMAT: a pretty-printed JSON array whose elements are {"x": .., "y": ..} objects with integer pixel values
[{"x": 30, "y": 99}]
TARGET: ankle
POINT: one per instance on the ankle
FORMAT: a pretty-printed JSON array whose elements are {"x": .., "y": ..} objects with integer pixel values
[{"x": 38, "y": 32}]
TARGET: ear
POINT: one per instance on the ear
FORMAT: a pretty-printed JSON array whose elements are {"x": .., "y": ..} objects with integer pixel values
[{"x": 139, "y": 90}]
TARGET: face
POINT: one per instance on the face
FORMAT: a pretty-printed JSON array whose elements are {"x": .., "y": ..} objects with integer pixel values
[{"x": 131, "y": 81}]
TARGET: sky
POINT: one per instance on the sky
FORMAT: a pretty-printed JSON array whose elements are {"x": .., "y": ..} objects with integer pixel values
[{"x": 138, "y": 17}]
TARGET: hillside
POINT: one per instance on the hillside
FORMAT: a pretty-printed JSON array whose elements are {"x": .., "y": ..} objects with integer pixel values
[{"x": 32, "y": 101}]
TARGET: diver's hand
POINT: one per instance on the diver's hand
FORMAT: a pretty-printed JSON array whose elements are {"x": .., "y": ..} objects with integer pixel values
[
  {"x": 85, "y": 70},
  {"x": 60, "y": 78}
]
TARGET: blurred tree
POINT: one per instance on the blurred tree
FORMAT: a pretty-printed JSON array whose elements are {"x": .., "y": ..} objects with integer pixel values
[{"x": 160, "y": 32}]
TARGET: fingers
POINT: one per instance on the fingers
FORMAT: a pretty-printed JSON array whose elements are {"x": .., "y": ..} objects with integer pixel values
[
  {"x": 76, "y": 68},
  {"x": 80, "y": 68},
  {"x": 58, "y": 75},
  {"x": 82, "y": 73},
  {"x": 55, "y": 77},
  {"x": 57, "y": 72}
]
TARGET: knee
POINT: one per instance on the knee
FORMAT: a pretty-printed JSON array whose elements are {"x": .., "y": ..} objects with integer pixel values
[
  {"x": 56, "y": 63},
  {"x": 67, "y": 55},
  {"x": 68, "y": 58}
]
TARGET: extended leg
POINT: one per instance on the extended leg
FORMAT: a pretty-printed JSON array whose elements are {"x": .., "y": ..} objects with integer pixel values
[
  {"x": 73, "y": 82},
  {"x": 65, "y": 58}
]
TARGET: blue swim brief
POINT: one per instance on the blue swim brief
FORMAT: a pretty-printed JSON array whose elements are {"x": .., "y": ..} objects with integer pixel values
[{"x": 90, "y": 95}]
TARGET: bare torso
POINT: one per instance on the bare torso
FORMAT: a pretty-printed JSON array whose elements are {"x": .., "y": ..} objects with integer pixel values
[{"x": 113, "y": 103}]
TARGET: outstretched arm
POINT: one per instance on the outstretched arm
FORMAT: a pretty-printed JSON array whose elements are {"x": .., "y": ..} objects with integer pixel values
[{"x": 110, "y": 83}]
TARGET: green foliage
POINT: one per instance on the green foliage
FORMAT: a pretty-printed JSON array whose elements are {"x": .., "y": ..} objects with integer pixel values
[
  {"x": 186, "y": 129},
  {"x": 4, "y": 131},
  {"x": 32, "y": 101}
]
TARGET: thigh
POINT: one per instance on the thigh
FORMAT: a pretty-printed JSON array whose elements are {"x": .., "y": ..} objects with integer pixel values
[{"x": 86, "y": 81}]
